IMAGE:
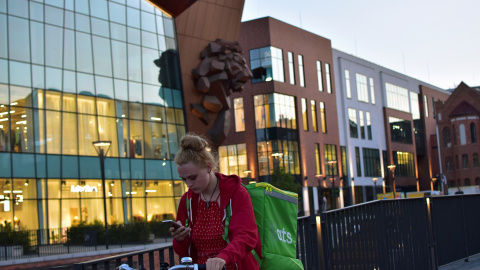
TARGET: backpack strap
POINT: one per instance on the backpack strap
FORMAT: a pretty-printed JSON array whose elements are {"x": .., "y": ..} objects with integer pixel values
[
  {"x": 188, "y": 212},
  {"x": 227, "y": 217}
]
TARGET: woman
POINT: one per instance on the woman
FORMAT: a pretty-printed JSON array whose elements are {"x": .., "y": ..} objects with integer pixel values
[{"x": 203, "y": 216}]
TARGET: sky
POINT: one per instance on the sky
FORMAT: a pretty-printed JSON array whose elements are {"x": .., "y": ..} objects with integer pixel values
[{"x": 435, "y": 41}]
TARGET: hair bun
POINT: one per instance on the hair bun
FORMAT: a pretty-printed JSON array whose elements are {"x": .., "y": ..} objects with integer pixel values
[{"x": 193, "y": 142}]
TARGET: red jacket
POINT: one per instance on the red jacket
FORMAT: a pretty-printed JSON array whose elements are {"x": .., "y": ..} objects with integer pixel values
[{"x": 242, "y": 231}]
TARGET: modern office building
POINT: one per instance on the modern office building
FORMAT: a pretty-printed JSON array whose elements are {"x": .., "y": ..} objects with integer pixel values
[
  {"x": 386, "y": 118},
  {"x": 458, "y": 121},
  {"x": 75, "y": 72},
  {"x": 286, "y": 116}
]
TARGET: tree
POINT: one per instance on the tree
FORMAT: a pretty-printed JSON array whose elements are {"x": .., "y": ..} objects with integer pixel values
[{"x": 285, "y": 181}]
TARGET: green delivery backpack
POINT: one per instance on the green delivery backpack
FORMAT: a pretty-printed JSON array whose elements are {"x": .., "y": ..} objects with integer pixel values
[{"x": 276, "y": 217}]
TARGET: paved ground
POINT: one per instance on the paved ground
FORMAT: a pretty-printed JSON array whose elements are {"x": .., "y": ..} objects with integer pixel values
[{"x": 472, "y": 264}]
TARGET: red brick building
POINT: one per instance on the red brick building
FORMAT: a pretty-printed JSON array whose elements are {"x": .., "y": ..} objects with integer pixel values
[{"x": 458, "y": 121}]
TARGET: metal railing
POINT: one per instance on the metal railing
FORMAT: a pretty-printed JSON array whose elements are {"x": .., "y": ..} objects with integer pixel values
[
  {"x": 420, "y": 233},
  {"x": 144, "y": 259},
  {"x": 46, "y": 242}
]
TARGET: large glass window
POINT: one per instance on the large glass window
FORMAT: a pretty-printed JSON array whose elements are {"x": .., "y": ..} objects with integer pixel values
[
  {"x": 278, "y": 154},
  {"x": 239, "y": 114},
  {"x": 405, "y": 165},
  {"x": 233, "y": 159},
  {"x": 362, "y": 88},
  {"x": 291, "y": 68},
  {"x": 267, "y": 64},
  {"x": 328, "y": 78},
  {"x": 371, "y": 162},
  {"x": 319, "y": 76},
  {"x": 348, "y": 88},
  {"x": 330, "y": 153},
  {"x": 313, "y": 108},
  {"x": 352, "y": 122},
  {"x": 301, "y": 71},
  {"x": 400, "y": 130},
  {"x": 275, "y": 110},
  {"x": 397, "y": 97}
]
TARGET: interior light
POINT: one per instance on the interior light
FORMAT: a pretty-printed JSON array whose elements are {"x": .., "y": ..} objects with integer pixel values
[
  {"x": 3, "y": 113},
  {"x": 3, "y": 119},
  {"x": 24, "y": 116},
  {"x": 123, "y": 115},
  {"x": 156, "y": 118},
  {"x": 150, "y": 190},
  {"x": 14, "y": 103},
  {"x": 22, "y": 122}
]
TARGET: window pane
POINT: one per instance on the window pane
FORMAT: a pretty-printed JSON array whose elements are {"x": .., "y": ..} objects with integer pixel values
[
  {"x": 69, "y": 134},
  {"x": 36, "y": 35},
  {"x": 84, "y": 53},
  {"x": 54, "y": 128},
  {"x": 19, "y": 48}
]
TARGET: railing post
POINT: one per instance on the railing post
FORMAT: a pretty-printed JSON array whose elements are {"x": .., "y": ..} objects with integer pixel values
[
  {"x": 321, "y": 258},
  {"x": 464, "y": 227},
  {"x": 431, "y": 239}
]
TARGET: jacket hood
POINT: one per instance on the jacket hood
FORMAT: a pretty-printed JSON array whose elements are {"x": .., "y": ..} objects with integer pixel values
[{"x": 228, "y": 185}]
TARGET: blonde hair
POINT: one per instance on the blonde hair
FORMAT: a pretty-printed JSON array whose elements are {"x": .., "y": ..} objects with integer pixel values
[{"x": 193, "y": 147}]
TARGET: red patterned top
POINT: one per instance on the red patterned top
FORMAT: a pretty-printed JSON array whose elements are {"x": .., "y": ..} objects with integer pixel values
[{"x": 208, "y": 233}]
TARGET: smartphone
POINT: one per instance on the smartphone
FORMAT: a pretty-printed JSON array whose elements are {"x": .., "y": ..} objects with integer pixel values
[{"x": 172, "y": 223}]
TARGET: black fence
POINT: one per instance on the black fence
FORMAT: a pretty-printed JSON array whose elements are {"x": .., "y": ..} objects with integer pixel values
[
  {"x": 420, "y": 233},
  {"x": 145, "y": 259},
  {"x": 38, "y": 243}
]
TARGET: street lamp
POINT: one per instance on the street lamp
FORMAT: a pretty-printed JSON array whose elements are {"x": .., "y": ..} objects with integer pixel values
[
  {"x": 375, "y": 188},
  {"x": 331, "y": 164},
  {"x": 249, "y": 178},
  {"x": 391, "y": 168},
  {"x": 102, "y": 148}
]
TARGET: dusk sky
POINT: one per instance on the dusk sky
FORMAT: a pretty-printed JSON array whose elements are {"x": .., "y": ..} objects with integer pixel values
[{"x": 437, "y": 42}]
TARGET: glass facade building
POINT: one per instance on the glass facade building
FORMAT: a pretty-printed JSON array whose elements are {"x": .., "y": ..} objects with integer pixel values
[{"x": 77, "y": 71}]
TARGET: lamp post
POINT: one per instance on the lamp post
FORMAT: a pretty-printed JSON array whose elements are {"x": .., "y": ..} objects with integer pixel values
[
  {"x": 276, "y": 164},
  {"x": 323, "y": 205},
  {"x": 374, "y": 188},
  {"x": 102, "y": 148},
  {"x": 432, "y": 184},
  {"x": 249, "y": 178},
  {"x": 331, "y": 164},
  {"x": 391, "y": 169}
]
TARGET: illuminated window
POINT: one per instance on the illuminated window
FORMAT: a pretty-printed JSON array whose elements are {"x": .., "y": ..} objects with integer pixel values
[
  {"x": 275, "y": 110},
  {"x": 330, "y": 153},
  {"x": 318, "y": 163},
  {"x": 304, "y": 114},
  {"x": 239, "y": 114},
  {"x": 233, "y": 159},
  {"x": 405, "y": 165},
  {"x": 286, "y": 157},
  {"x": 400, "y": 130},
  {"x": 313, "y": 108},
  {"x": 323, "y": 117},
  {"x": 425, "y": 100}
]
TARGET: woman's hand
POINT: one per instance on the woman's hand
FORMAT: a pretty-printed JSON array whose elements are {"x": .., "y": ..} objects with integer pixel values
[
  {"x": 180, "y": 233},
  {"x": 215, "y": 264}
]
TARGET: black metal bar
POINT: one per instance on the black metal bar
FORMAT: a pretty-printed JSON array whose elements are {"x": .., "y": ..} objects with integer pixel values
[
  {"x": 171, "y": 255},
  {"x": 151, "y": 260}
]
